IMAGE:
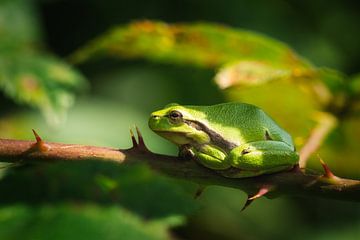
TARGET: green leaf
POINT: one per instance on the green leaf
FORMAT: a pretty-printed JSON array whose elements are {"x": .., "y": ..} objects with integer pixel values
[
  {"x": 334, "y": 80},
  {"x": 77, "y": 221},
  {"x": 248, "y": 73},
  {"x": 200, "y": 44},
  {"x": 27, "y": 75},
  {"x": 41, "y": 81},
  {"x": 19, "y": 27},
  {"x": 355, "y": 85},
  {"x": 244, "y": 58},
  {"x": 134, "y": 187}
]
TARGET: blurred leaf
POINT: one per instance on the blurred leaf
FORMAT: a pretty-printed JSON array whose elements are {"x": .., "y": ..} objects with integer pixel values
[
  {"x": 341, "y": 150},
  {"x": 349, "y": 232},
  {"x": 354, "y": 88},
  {"x": 249, "y": 73},
  {"x": 26, "y": 75},
  {"x": 334, "y": 80},
  {"x": 355, "y": 85},
  {"x": 76, "y": 221},
  {"x": 135, "y": 187},
  {"x": 245, "y": 58},
  {"x": 19, "y": 28},
  {"x": 200, "y": 44},
  {"x": 40, "y": 81},
  {"x": 322, "y": 85}
]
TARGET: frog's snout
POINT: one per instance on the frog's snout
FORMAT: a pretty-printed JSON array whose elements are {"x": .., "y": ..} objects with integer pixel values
[
  {"x": 155, "y": 117},
  {"x": 153, "y": 121}
]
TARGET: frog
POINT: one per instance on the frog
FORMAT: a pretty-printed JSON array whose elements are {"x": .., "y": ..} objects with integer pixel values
[{"x": 235, "y": 139}]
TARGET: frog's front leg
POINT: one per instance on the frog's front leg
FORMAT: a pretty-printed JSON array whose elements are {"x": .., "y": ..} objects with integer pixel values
[
  {"x": 256, "y": 158},
  {"x": 211, "y": 157},
  {"x": 186, "y": 152}
]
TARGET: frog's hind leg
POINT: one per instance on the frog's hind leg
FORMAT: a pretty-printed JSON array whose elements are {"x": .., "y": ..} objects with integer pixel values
[{"x": 256, "y": 158}]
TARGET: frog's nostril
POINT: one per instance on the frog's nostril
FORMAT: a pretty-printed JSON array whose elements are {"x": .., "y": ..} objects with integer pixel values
[{"x": 155, "y": 117}]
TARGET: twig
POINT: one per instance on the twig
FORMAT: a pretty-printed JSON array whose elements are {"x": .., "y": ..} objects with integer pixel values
[
  {"x": 293, "y": 182},
  {"x": 326, "y": 123}
]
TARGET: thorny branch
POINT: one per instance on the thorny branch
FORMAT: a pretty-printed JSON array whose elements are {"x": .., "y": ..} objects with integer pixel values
[{"x": 293, "y": 182}]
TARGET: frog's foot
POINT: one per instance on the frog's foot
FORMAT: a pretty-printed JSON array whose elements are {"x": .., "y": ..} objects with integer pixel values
[
  {"x": 262, "y": 191},
  {"x": 262, "y": 157},
  {"x": 186, "y": 152}
]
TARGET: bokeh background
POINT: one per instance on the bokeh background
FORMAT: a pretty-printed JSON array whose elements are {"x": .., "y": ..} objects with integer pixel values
[{"x": 107, "y": 201}]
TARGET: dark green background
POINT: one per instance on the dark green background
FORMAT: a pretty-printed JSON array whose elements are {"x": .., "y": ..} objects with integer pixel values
[{"x": 104, "y": 201}]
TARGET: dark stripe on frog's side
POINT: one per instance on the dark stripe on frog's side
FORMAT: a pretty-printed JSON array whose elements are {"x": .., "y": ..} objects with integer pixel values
[{"x": 215, "y": 138}]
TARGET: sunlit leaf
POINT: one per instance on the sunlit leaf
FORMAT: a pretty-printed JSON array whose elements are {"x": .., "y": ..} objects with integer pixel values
[
  {"x": 201, "y": 44},
  {"x": 244, "y": 58},
  {"x": 249, "y": 73}
]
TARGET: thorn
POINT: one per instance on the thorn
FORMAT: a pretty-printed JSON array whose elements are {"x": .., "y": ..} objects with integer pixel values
[
  {"x": 199, "y": 191},
  {"x": 37, "y": 137},
  {"x": 141, "y": 143},
  {"x": 248, "y": 202},
  {"x": 327, "y": 172},
  {"x": 134, "y": 143},
  {"x": 40, "y": 145},
  {"x": 140, "y": 138},
  {"x": 262, "y": 191}
]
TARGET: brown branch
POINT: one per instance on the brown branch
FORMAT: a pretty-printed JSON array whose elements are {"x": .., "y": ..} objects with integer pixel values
[
  {"x": 293, "y": 182},
  {"x": 326, "y": 123}
]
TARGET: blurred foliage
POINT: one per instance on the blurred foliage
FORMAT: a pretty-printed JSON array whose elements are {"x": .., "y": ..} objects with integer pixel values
[
  {"x": 246, "y": 58},
  {"x": 154, "y": 197},
  {"x": 106, "y": 201},
  {"x": 201, "y": 44},
  {"x": 28, "y": 75},
  {"x": 92, "y": 222}
]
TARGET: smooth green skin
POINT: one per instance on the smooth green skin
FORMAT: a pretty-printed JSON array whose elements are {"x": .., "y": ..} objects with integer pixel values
[{"x": 237, "y": 139}]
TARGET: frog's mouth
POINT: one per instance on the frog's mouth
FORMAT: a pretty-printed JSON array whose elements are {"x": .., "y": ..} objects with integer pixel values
[{"x": 179, "y": 138}]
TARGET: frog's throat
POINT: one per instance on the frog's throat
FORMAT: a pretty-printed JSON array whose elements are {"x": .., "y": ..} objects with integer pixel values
[{"x": 215, "y": 138}]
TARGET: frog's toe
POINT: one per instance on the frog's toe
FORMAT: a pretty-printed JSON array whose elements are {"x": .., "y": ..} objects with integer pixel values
[{"x": 186, "y": 152}]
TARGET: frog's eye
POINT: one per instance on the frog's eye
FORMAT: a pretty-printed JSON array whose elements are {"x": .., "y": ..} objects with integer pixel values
[{"x": 175, "y": 115}]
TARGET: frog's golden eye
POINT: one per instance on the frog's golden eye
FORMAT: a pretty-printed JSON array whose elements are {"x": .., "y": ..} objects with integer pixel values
[{"x": 175, "y": 115}]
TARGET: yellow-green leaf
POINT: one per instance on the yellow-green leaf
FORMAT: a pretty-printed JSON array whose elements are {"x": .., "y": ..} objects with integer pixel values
[{"x": 201, "y": 44}]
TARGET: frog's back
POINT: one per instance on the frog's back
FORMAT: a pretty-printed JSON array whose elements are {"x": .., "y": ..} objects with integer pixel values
[{"x": 249, "y": 122}]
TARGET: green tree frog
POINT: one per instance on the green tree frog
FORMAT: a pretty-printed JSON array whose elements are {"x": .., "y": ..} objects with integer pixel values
[{"x": 236, "y": 139}]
